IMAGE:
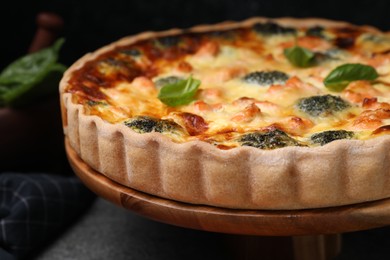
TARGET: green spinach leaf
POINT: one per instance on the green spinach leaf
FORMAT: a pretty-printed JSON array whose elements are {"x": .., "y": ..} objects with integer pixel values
[
  {"x": 179, "y": 93},
  {"x": 339, "y": 78},
  {"x": 32, "y": 76},
  {"x": 300, "y": 57}
]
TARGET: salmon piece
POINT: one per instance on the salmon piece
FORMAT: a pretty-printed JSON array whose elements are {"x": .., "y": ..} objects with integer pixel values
[
  {"x": 371, "y": 119},
  {"x": 297, "y": 83},
  {"x": 268, "y": 107},
  {"x": 224, "y": 74},
  {"x": 208, "y": 49},
  {"x": 248, "y": 114},
  {"x": 264, "y": 106},
  {"x": 143, "y": 83},
  {"x": 202, "y": 106},
  {"x": 244, "y": 101},
  {"x": 194, "y": 124},
  {"x": 379, "y": 60},
  {"x": 382, "y": 129},
  {"x": 359, "y": 90},
  {"x": 294, "y": 82},
  {"x": 275, "y": 89},
  {"x": 372, "y": 104},
  {"x": 209, "y": 93},
  {"x": 309, "y": 42},
  {"x": 184, "y": 66},
  {"x": 296, "y": 125},
  {"x": 293, "y": 85}
]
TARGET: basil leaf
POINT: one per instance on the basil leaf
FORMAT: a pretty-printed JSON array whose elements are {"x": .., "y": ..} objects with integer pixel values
[
  {"x": 300, "y": 57},
  {"x": 179, "y": 93},
  {"x": 31, "y": 76},
  {"x": 339, "y": 78}
]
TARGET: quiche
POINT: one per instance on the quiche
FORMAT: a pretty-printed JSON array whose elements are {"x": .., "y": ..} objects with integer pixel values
[{"x": 261, "y": 114}]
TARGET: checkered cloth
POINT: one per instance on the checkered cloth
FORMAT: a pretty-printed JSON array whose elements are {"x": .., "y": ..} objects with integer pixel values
[{"x": 34, "y": 208}]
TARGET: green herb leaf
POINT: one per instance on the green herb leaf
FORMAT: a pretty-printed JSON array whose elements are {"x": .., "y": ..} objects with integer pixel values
[
  {"x": 300, "y": 57},
  {"x": 339, "y": 78},
  {"x": 179, "y": 93},
  {"x": 31, "y": 76}
]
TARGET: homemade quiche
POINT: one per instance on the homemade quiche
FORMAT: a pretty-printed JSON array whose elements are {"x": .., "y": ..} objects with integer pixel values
[{"x": 261, "y": 114}]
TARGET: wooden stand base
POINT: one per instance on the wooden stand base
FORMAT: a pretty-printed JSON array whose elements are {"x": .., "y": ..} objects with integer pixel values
[
  {"x": 306, "y": 226},
  {"x": 318, "y": 247}
]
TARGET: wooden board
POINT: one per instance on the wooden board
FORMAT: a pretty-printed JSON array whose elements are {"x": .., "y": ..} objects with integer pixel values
[{"x": 234, "y": 221}]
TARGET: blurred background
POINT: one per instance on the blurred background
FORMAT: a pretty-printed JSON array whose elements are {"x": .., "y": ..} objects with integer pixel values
[{"x": 91, "y": 24}]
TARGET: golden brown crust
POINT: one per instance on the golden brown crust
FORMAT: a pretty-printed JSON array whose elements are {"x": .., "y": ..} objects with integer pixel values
[{"x": 340, "y": 173}]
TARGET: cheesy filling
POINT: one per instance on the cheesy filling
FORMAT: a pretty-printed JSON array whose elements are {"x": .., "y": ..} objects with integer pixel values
[{"x": 226, "y": 107}]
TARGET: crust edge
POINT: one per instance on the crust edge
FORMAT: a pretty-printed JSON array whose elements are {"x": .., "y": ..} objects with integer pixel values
[{"x": 278, "y": 179}]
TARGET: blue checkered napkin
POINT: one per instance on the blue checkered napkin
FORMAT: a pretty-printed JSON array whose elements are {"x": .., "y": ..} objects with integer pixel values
[{"x": 34, "y": 208}]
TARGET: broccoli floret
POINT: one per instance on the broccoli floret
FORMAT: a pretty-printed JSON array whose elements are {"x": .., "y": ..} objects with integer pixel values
[
  {"x": 226, "y": 35},
  {"x": 118, "y": 63},
  {"x": 317, "y": 31},
  {"x": 92, "y": 103},
  {"x": 170, "y": 126},
  {"x": 334, "y": 53},
  {"x": 143, "y": 124},
  {"x": 375, "y": 38},
  {"x": 167, "y": 80},
  {"x": 147, "y": 124},
  {"x": 329, "y": 55},
  {"x": 114, "y": 62},
  {"x": 330, "y": 136},
  {"x": 132, "y": 52},
  {"x": 268, "y": 140},
  {"x": 167, "y": 41},
  {"x": 270, "y": 28},
  {"x": 322, "y": 105},
  {"x": 266, "y": 78}
]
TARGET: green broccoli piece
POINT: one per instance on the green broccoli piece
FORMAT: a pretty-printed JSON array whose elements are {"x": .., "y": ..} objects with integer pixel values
[
  {"x": 131, "y": 52},
  {"x": 147, "y": 124},
  {"x": 266, "y": 78},
  {"x": 322, "y": 105},
  {"x": 270, "y": 28},
  {"x": 268, "y": 140},
  {"x": 325, "y": 137},
  {"x": 316, "y": 31},
  {"x": 167, "y": 41}
]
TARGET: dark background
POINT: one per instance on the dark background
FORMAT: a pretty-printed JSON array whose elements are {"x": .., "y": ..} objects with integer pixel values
[{"x": 90, "y": 24}]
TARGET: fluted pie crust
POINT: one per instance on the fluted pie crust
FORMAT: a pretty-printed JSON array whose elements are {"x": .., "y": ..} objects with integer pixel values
[{"x": 339, "y": 173}]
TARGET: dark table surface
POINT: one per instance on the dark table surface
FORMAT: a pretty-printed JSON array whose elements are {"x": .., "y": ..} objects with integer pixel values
[{"x": 107, "y": 231}]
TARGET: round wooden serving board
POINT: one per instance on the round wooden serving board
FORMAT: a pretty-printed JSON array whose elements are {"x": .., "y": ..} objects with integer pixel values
[{"x": 235, "y": 221}]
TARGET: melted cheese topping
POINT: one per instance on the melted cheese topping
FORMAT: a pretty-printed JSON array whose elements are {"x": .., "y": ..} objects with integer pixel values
[{"x": 230, "y": 106}]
